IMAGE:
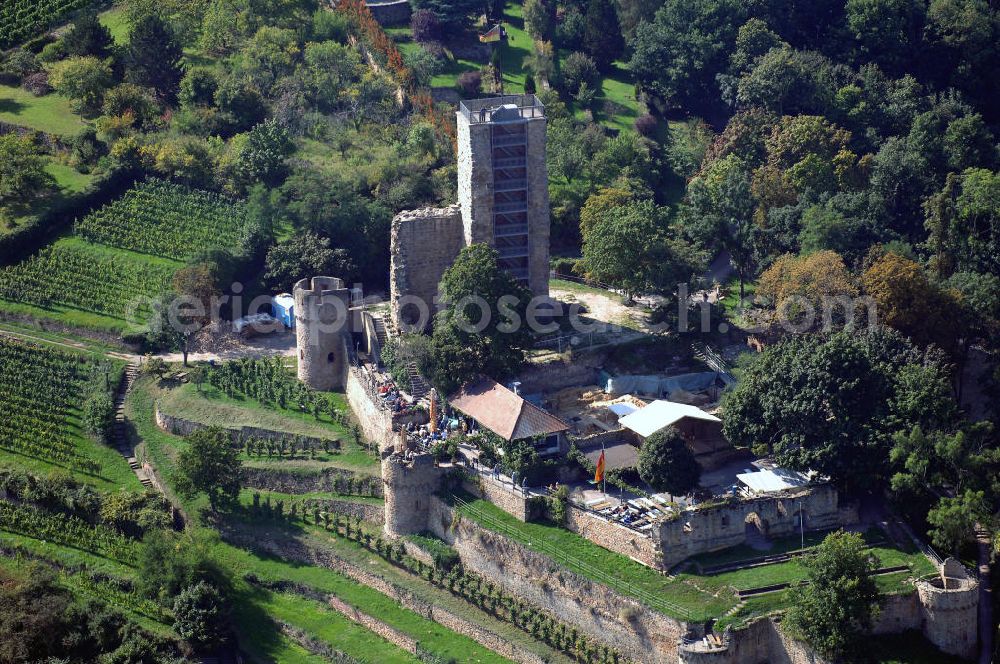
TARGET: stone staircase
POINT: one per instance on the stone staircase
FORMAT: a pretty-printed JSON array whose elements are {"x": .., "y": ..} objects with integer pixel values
[
  {"x": 418, "y": 386},
  {"x": 381, "y": 333},
  {"x": 119, "y": 434}
]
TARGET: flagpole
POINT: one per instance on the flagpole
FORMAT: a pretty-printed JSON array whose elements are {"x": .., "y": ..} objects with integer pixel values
[{"x": 604, "y": 475}]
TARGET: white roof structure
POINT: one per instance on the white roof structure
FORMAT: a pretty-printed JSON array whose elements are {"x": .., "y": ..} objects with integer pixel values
[
  {"x": 284, "y": 300},
  {"x": 771, "y": 480},
  {"x": 659, "y": 414},
  {"x": 622, "y": 409}
]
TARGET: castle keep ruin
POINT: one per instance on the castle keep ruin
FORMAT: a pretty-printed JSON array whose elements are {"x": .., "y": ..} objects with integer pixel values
[{"x": 503, "y": 201}]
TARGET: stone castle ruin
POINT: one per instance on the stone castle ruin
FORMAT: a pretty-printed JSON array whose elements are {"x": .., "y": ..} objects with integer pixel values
[
  {"x": 322, "y": 331},
  {"x": 503, "y": 201}
]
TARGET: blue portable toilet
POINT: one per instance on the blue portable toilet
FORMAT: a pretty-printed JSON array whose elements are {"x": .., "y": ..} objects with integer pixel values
[{"x": 284, "y": 309}]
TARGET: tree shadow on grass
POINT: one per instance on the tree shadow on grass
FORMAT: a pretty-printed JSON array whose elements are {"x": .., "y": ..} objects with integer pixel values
[{"x": 11, "y": 106}]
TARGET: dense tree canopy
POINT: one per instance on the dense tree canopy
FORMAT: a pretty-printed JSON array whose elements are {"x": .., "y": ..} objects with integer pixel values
[
  {"x": 831, "y": 404},
  {"x": 482, "y": 329},
  {"x": 210, "y": 465}
]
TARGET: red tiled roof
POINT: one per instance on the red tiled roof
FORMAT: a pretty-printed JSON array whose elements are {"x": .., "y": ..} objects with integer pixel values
[{"x": 503, "y": 412}]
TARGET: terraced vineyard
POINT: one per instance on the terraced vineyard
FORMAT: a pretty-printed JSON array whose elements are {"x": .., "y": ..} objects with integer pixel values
[
  {"x": 39, "y": 389},
  {"x": 167, "y": 220},
  {"x": 21, "y": 20},
  {"x": 88, "y": 277}
]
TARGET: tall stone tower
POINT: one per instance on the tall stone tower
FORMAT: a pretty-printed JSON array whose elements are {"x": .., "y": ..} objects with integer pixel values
[
  {"x": 408, "y": 486},
  {"x": 503, "y": 184},
  {"x": 322, "y": 331}
]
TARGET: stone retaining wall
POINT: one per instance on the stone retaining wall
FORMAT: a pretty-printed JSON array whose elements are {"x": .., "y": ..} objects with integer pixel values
[
  {"x": 512, "y": 502},
  {"x": 638, "y": 632},
  {"x": 372, "y": 624},
  {"x": 375, "y": 422},
  {"x": 291, "y": 549},
  {"x": 614, "y": 537},
  {"x": 180, "y": 426},
  {"x": 286, "y": 481}
]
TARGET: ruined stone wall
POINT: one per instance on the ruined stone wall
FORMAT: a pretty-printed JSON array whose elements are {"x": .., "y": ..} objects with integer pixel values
[
  {"x": 375, "y": 422},
  {"x": 641, "y": 634},
  {"x": 760, "y": 642},
  {"x": 613, "y": 536},
  {"x": 722, "y": 526},
  {"x": 512, "y": 502},
  {"x": 898, "y": 613},
  {"x": 424, "y": 243},
  {"x": 561, "y": 373}
]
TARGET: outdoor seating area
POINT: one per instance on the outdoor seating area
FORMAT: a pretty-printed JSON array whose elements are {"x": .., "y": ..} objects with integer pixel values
[{"x": 637, "y": 513}]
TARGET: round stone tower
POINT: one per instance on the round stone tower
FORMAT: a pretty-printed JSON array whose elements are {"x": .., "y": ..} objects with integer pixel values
[
  {"x": 322, "y": 330},
  {"x": 950, "y": 604},
  {"x": 409, "y": 484}
]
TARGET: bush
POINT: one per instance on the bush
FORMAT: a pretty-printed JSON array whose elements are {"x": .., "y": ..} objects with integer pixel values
[
  {"x": 37, "y": 83},
  {"x": 329, "y": 26},
  {"x": 20, "y": 63},
  {"x": 646, "y": 125},
  {"x": 199, "y": 615},
  {"x": 425, "y": 25},
  {"x": 99, "y": 415},
  {"x": 577, "y": 69},
  {"x": 564, "y": 266},
  {"x": 529, "y": 84},
  {"x": 470, "y": 83},
  {"x": 53, "y": 52}
]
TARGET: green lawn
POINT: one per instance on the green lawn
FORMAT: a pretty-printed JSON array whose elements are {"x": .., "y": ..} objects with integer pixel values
[
  {"x": 114, "y": 20},
  {"x": 50, "y": 113},
  {"x": 433, "y": 637},
  {"x": 515, "y": 50},
  {"x": 212, "y": 407},
  {"x": 68, "y": 179},
  {"x": 319, "y": 621}
]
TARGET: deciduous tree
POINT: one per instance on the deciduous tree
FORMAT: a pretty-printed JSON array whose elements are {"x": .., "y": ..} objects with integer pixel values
[
  {"x": 666, "y": 463},
  {"x": 836, "y": 609}
]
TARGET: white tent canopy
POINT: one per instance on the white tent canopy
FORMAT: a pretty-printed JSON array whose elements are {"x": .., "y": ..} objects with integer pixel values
[
  {"x": 771, "y": 480},
  {"x": 659, "y": 414}
]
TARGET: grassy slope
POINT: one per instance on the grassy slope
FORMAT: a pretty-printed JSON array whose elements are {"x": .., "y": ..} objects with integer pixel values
[
  {"x": 114, "y": 20},
  {"x": 215, "y": 408},
  {"x": 258, "y": 633},
  {"x": 701, "y": 604},
  {"x": 50, "y": 113}
]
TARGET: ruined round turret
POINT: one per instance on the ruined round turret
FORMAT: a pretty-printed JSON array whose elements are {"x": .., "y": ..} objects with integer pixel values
[
  {"x": 408, "y": 486},
  {"x": 950, "y": 603},
  {"x": 321, "y": 330}
]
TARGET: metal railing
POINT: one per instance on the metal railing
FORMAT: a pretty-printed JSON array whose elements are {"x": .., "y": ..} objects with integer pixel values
[
  {"x": 481, "y": 110},
  {"x": 575, "y": 564}
]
